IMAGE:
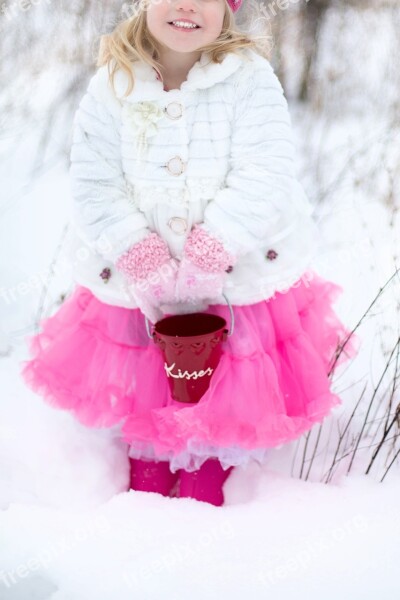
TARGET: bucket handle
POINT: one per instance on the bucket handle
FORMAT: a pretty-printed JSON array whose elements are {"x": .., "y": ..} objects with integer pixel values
[{"x": 230, "y": 310}]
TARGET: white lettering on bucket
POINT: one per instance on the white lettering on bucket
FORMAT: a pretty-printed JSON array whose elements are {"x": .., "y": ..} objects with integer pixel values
[{"x": 186, "y": 374}]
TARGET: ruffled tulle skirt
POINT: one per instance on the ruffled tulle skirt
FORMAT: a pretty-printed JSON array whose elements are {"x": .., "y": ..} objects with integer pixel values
[{"x": 270, "y": 386}]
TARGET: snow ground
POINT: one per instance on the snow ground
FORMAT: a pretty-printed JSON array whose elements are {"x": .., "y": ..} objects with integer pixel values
[{"x": 289, "y": 539}]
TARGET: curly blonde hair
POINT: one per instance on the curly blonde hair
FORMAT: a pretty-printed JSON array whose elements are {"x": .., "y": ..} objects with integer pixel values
[{"x": 131, "y": 40}]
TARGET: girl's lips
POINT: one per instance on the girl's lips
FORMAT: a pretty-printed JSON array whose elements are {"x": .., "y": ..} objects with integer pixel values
[{"x": 184, "y": 28}]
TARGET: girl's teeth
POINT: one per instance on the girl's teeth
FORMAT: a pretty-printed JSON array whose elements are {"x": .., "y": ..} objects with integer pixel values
[{"x": 178, "y": 24}]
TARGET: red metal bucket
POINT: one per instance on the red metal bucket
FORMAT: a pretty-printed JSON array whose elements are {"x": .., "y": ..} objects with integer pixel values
[{"x": 191, "y": 345}]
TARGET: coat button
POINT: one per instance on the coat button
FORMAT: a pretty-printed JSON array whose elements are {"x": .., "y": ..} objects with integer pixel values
[
  {"x": 174, "y": 110},
  {"x": 175, "y": 165},
  {"x": 271, "y": 255},
  {"x": 178, "y": 225},
  {"x": 105, "y": 274}
]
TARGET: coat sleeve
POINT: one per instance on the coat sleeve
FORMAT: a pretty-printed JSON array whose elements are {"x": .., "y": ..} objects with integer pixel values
[
  {"x": 262, "y": 200},
  {"x": 101, "y": 208}
]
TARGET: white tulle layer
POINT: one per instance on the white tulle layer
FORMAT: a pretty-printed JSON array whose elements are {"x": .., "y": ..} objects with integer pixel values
[{"x": 196, "y": 454}]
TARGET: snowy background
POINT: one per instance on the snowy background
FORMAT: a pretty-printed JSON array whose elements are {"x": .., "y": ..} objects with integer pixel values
[{"x": 322, "y": 518}]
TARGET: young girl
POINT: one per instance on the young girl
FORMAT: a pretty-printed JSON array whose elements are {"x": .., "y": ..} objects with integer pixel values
[{"x": 185, "y": 197}]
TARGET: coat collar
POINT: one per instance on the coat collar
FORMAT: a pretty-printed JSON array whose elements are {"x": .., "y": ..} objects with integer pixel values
[{"x": 204, "y": 74}]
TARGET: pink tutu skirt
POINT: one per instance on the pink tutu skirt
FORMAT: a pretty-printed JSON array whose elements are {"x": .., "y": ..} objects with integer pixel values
[{"x": 270, "y": 386}]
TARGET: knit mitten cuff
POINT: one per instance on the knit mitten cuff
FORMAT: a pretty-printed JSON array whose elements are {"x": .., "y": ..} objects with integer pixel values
[{"x": 194, "y": 284}]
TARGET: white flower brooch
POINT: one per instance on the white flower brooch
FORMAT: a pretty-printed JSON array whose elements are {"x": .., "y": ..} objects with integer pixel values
[{"x": 143, "y": 117}]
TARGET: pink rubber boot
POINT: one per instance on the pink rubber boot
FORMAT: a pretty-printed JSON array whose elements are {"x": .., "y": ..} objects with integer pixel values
[
  {"x": 152, "y": 476},
  {"x": 205, "y": 484}
]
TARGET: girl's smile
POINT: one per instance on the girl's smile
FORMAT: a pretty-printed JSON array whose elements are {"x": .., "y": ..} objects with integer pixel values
[{"x": 185, "y": 25}]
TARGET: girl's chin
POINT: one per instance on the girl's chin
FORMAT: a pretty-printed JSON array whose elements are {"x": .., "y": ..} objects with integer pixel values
[{"x": 174, "y": 44}]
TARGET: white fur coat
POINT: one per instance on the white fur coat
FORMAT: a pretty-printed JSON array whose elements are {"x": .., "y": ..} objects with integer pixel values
[{"x": 219, "y": 150}]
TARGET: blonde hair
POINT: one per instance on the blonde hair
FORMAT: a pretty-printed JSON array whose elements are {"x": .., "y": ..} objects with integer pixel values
[{"x": 131, "y": 40}]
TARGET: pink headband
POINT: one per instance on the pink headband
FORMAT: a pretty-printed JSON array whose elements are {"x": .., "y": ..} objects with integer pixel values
[{"x": 234, "y": 4}]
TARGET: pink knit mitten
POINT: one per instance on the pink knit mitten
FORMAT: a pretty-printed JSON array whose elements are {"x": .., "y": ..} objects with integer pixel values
[
  {"x": 203, "y": 268},
  {"x": 150, "y": 274}
]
